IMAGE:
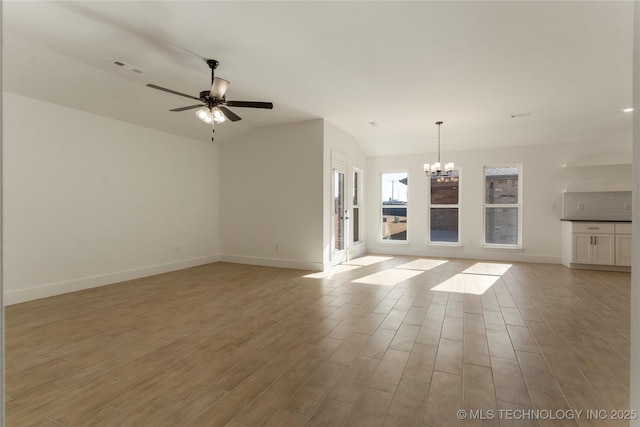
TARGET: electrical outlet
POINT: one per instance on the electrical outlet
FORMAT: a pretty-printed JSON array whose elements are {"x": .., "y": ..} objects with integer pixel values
[
  {"x": 580, "y": 206},
  {"x": 627, "y": 206},
  {"x": 278, "y": 247}
]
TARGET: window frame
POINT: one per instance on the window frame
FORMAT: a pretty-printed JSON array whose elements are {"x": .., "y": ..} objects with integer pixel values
[
  {"x": 441, "y": 206},
  {"x": 518, "y": 206},
  {"x": 356, "y": 203},
  {"x": 381, "y": 206}
]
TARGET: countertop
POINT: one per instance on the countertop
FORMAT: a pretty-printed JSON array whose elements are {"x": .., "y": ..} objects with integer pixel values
[{"x": 595, "y": 220}]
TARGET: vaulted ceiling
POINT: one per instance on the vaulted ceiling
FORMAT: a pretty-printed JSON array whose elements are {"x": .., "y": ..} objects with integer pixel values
[{"x": 563, "y": 68}]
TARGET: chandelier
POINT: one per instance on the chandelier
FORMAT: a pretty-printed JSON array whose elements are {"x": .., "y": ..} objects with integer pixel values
[{"x": 436, "y": 168}]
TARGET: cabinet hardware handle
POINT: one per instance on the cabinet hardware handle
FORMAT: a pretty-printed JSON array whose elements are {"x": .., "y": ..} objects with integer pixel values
[{"x": 593, "y": 228}]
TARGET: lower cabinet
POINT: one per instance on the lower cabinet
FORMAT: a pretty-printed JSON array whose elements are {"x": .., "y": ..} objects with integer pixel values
[
  {"x": 597, "y": 244},
  {"x": 594, "y": 249},
  {"x": 623, "y": 249}
]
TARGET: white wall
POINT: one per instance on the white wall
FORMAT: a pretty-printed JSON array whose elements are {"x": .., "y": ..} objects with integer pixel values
[
  {"x": 2, "y": 362},
  {"x": 271, "y": 196},
  {"x": 90, "y": 200},
  {"x": 635, "y": 269},
  {"x": 543, "y": 180},
  {"x": 344, "y": 147}
]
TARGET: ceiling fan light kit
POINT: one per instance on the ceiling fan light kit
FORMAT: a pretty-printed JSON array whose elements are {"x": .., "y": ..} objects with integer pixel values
[
  {"x": 436, "y": 169},
  {"x": 204, "y": 114},
  {"x": 213, "y": 108}
]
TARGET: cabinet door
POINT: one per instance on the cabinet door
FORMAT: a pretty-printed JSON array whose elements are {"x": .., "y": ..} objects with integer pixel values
[
  {"x": 603, "y": 250},
  {"x": 623, "y": 249},
  {"x": 582, "y": 248}
]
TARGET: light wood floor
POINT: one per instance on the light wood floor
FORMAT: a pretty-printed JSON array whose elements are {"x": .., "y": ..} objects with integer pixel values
[{"x": 371, "y": 344}]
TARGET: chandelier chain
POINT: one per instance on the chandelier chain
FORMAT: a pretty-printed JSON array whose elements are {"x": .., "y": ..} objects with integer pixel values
[{"x": 439, "y": 123}]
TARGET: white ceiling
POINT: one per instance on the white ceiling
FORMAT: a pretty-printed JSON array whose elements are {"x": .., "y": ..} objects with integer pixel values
[{"x": 404, "y": 65}]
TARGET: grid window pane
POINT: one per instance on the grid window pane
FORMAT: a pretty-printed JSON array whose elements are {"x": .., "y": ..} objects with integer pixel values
[
  {"x": 394, "y": 188},
  {"x": 501, "y": 226},
  {"x": 394, "y": 223},
  {"x": 501, "y": 185},
  {"x": 356, "y": 224},
  {"x": 356, "y": 205},
  {"x": 444, "y": 225},
  {"x": 394, "y": 206},
  {"x": 356, "y": 178},
  {"x": 445, "y": 189}
]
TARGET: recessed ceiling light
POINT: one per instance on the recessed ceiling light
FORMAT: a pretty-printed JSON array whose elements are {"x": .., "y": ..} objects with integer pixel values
[{"x": 628, "y": 110}]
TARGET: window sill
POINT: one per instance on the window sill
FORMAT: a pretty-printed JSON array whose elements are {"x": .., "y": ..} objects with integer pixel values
[
  {"x": 445, "y": 245},
  {"x": 510, "y": 248},
  {"x": 394, "y": 242}
]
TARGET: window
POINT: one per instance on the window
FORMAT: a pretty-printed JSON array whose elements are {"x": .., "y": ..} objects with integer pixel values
[
  {"x": 357, "y": 184},
  {"x": 444, "y": 212},
  {"x": 394, "y": 206},
  {"x": 502, "y": 201}
]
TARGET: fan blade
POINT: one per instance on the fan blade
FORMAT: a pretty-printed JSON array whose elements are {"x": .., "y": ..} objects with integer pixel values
[
  {"x": 249, "y": 104},
  {"x": 219, "y": 87},
  {"x": 190, "y": 107},
  {"x": 230, "y": 114},
  {"x": 172, "y": 91}
]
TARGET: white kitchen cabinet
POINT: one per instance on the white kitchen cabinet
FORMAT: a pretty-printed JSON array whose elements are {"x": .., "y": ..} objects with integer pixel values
[
  {"x": 604, "y": 245},
  {"x": 623, "y": 244},
  {"x": 593, "y": 248}
]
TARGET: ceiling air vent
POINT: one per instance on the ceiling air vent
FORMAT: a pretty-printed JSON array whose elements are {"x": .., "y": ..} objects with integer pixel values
[{"x": 126, "y": 66}]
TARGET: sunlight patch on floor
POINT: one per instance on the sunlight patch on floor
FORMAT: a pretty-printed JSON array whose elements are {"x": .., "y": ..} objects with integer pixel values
[
  {"x": 388, "y": 277},
  {"x": 368, "y": 260},
  {"x": 342, "y": 268},
  {"x": 491, "y": 268},
  {"x": 423, "y": 264},
  {"x": 475, "y": 284}
]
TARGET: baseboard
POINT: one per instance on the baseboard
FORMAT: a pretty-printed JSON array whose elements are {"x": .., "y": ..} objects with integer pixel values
[
  {"x": 59, "y": 288},
  {"x": 357, "y": 250},
  {"x": 489, "y": 255},
  {"x": 273, "y": 262},
  {"x": 620, "y": 268}
]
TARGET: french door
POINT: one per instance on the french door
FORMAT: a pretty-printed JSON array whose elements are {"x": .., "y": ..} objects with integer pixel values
[{"x": 339, "y": 210}]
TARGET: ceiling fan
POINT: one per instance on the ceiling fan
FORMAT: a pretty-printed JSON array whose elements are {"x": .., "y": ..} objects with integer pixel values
[{"x": 213, "y": 107}]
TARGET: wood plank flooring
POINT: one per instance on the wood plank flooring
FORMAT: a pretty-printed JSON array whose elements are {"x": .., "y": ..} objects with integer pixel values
[{"x": 371, "y": 343}]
